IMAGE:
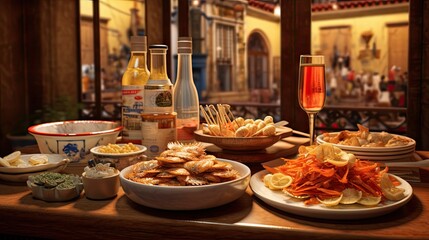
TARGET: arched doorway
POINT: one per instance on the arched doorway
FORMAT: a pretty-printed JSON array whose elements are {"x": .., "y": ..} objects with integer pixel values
[{"x": 257, "y": 68}]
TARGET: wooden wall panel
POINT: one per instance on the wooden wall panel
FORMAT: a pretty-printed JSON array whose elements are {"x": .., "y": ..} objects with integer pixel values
[
  {"x": 418, "y": 65},
  {"x": 13, "y": 97},
  {"x": 295, "y": 34},
  {"x": 38, "y": 60},
  {"x": 158, "y": 21}
]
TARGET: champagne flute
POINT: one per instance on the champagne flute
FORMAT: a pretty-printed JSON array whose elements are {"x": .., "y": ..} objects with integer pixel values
[{"x": 311, "y": 87}]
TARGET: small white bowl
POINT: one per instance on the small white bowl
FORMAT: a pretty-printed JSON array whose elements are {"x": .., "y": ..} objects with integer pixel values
[
  {"x": 187, "y": 197},
  {"x": 101, "y": 188},
  {"x": 74, "y": 138},
  {"x": 120, "y": 160}
]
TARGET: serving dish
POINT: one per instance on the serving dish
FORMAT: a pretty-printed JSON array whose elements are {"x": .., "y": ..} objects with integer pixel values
[
  {"x": 57, "y": 193},
  {"x": 23, "y": 177},
  {"x": 120, "y": 160},
  {"x": 95, "y": 151},
  {"x": 54, "y": 160},
  {"x": 410, "y": 146},
  {"x": 74, "y": 138},
  {"x": 244, "y": 143},
  {"x": 187, "y": 197},
  {"x": 281, "y": 201},
  {"x": 391, "y": 153}
]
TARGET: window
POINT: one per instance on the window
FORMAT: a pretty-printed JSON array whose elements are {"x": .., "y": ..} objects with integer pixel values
[
  {"x": 224, "y": 56},
  {"x": 257, "y": 62}
]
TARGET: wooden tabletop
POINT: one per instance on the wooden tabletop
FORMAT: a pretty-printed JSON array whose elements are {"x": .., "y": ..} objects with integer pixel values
[{"x": 246, "y": 218}]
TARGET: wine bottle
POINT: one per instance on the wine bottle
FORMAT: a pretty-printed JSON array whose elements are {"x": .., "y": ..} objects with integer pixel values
[
  {"x": 133, "y": 81},
  {"x": 185, "y": 95}
]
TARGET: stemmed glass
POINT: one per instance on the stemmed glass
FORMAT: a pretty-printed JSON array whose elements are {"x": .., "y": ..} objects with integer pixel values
[{"x": 311, "y": 87}]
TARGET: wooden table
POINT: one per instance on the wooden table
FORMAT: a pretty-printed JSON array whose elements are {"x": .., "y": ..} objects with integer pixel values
[{"x": 246, "y": 218}]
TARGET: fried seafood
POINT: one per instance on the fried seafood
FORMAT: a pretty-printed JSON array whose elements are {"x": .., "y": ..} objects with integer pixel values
[
  {"x": 363, "y": 138},
  {"x": 183, "y": 165}
]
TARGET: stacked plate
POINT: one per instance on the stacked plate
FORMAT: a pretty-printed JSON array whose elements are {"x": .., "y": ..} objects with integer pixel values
[
  {"x": 394, "y": 153},
  {"x": 56, "y": 163}
]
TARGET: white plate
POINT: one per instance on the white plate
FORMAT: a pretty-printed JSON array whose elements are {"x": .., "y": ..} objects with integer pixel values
[
  {"x": 23, "y": 177},
  {"x": 410, "y": 146},
  {"x": 388, "y": 153},
  {"x": 384, "y": 158},
  {"x": 281, "y": 201},
  {"x": 53, "y": 161},
  {"x": 95, "y": 151}
]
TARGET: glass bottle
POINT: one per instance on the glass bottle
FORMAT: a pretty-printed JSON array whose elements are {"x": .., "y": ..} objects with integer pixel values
[
  {"x": 133, "y": 81},
  {"x": 158, "y": 121},
  {"x": 185, "y": 95},
  {"x": 158, "y": 92}
]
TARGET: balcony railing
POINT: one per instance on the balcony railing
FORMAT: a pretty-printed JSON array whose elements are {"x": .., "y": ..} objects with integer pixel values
[{"x": 331, "y": 118}]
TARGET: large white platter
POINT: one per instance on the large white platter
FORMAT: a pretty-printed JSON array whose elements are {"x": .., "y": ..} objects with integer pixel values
[
  {"x": 410, "y": 146},
  {"x": 23, "y": 177},
  {"x": 281, "y": 201},
  {"x": 54, "y": 160}
]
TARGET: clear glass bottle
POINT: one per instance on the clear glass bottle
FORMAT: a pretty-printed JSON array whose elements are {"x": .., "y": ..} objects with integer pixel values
[
  {"x": 158, "y": 92},
  {"x": 158, "y": 119},
  {"x": 185, "y": 95},
  {"x": 133, "y": 81}
]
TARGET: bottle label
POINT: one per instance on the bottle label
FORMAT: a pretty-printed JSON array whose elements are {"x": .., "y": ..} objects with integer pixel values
[
  {"x": 155, "y": 139},
  {"x": 158, "y": 100},
  {"x": 132, "y": 107}
]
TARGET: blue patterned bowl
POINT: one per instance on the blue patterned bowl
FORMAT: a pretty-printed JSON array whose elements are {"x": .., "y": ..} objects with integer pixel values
[{"x": 74, "y": 138}]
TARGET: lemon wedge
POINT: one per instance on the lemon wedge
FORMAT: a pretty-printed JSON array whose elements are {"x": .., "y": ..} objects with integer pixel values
[
  {"x": 4, "y": 163},
  {"x": 267, "y": 179},
  {"x": 330, "y": 202},
  {"x": 279, "y": 181},
  {"x": 338, "y": 163},
  {"x": 13, "y": 158},
  {"x": 390, "y": 191},
  {"x": 38, "y": 160},
  {"x": 350, "y": 196},
  {"x": 369, "y": 200}
]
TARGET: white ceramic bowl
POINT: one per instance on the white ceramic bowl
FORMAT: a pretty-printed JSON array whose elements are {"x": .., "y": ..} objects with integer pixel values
[
  {"x": 101, "y": 188},
  {"x": 74, "y": 138},
  {"x": 187, "y": 197},
  {"x": 120, "y": 160}
]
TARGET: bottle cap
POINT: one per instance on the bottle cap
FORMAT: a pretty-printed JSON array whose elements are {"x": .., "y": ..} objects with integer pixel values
[
  {"x": 158, "y": 46},
  {"x": 138, "y": 43},
  {"x": 184, "y": 45}
]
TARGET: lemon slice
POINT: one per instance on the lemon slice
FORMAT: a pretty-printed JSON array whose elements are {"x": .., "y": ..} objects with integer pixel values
[
  {"x": 350, "y": 196},
  {"x": 267, "y": 179},
  {"x": 279, "y": 181},
  {"x": 369, "y": 200},
  {"x": 4, "y": 163},
  {"x": 38, "y": 159},
  {"x": 390, "y": 191},
  {"x": 338, "y": 163},
  {"x": 330, "y": 202},
  {"x": 13, "y": 158},
  {"x": 394, "y": 194},
  {"x": 295, "y": 196}
]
